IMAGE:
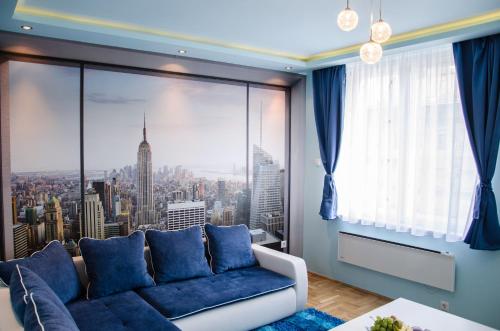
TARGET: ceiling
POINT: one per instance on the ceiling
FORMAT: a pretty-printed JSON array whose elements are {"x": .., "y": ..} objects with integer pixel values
[{"x": 270, "y": 34}]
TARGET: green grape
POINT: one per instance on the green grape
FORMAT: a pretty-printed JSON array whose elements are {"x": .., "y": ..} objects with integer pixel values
[{"x": 389, "y": 323}]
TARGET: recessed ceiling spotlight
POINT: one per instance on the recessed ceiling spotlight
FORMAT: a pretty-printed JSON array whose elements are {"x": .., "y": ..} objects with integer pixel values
[
  {"x": 182, "y": 51},
  {"x": 288, "y": 68},
  {"x": 26, "y": 27}
]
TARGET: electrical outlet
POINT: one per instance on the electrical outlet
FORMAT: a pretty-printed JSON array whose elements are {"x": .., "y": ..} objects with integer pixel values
[
  {"x": 445, "y": 305},
  {"x": 283, "y": 244}
]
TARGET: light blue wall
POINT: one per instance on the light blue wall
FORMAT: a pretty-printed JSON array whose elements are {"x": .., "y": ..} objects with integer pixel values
[{"x": 477, "y": 294}]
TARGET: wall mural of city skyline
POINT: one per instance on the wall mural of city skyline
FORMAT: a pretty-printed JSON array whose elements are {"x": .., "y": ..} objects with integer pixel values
[{"x": 159, "y": 152}]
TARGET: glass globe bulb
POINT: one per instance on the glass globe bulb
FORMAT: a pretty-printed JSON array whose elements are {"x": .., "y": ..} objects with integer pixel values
[
  {"x": 347, "y": 19},
  {"x": 381, "y": 32},
  {"x": 371, "y": 52}
]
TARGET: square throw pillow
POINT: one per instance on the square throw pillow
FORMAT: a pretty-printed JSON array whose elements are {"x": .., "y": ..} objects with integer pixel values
[
  {"x": 6, "y": 269},
  {"x": 177, "y": 255},
  {"x": 42, "y": 314},
  {"x": 22, "y": 283},
  {"x": 230, "y": 247},
  {"x": 115, "y": 265},
  {"x": 54, "y": 265}
]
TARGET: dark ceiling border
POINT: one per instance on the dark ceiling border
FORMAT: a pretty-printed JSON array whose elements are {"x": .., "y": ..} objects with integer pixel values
[{"x": 42, "y": 48}]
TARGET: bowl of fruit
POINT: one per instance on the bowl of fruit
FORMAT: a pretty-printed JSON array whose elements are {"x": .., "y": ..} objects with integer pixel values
[{"x": 391, "y": 323}]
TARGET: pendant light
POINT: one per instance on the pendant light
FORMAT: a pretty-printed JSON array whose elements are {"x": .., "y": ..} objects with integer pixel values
[
  {"x": 381, "y": 31},
  {"x": 371, "y": 52},
  {"x": 347, "y": 19}
]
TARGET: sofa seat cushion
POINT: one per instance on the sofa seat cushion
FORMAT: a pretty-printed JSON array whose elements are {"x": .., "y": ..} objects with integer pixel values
[
  {"x": 124, "y": 311},
  {"x": 180, "y": 299}
]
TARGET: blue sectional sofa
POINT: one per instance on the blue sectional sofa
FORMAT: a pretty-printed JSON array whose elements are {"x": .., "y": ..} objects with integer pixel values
[{"x": 236, "y": 299}]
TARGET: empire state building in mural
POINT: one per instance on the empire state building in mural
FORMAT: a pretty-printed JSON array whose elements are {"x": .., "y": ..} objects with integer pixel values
[{"x": 145, "y": 203}]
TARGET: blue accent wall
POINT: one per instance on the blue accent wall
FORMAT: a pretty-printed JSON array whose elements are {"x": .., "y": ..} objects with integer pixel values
[{"x": 477, "y": 287}]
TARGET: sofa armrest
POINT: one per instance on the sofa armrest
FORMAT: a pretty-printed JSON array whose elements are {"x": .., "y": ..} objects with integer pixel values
[
  {"x": 8, "y": 320},
  {"x": 286, "y": 265},
  {"x": 80, "y": 269}
]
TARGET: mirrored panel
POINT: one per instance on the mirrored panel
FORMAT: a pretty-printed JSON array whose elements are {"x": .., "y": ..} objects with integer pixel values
[
  {"x": 44, "y": 156},
  {"x": 267, "y": 128},
  {"x": 162, "y": 152}
]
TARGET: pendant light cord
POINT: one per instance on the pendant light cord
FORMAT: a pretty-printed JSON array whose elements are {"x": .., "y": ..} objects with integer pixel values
[
  {"x": 371, "y": 18},
  {"x": 371, "y": 13}
]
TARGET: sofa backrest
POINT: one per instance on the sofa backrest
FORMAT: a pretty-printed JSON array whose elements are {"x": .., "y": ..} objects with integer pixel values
[{"x": 82, "y": 272}]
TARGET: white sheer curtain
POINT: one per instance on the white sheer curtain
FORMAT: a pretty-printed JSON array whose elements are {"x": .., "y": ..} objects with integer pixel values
[{"x": 405, "y": 161}]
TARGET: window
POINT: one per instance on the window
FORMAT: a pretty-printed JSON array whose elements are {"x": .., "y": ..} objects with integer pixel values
[
  {"x": 405, "y": 161},
  {"x": 178, "y": 146},
  {"x": 159, "y": 151},
  {"x": 267, "y": 163},
  {"x": 45, "y": 157}
]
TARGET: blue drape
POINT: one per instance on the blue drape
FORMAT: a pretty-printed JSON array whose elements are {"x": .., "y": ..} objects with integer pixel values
[
  {"x": 329, "y": 93},
  {"x": 478, "y": 70}
]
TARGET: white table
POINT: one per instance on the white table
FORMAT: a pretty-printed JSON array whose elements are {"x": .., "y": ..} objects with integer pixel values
[{"x": 414, "y": 314}]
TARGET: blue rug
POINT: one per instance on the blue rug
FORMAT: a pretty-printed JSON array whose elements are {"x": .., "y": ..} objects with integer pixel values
[{"x": 306, "y": 320}]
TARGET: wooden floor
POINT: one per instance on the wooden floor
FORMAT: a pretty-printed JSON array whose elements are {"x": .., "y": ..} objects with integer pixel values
[{"x": 341, "y": 300}]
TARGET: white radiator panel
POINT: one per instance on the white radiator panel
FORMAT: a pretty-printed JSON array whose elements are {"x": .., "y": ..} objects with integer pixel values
[{"x": 416, "y": 264}]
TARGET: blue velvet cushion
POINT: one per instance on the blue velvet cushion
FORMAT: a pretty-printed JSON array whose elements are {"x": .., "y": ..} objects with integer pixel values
[
  {"x": 125, "y": 311},
  {"x": 43, "y": 314},
  {"x": 230, "y": 247},
  {"x": 22, "y": 283},
  {"x": 177, "y": 255},
  {"x": 115, "y": 265},
  {"x": 183, "y": 298},
  {"x": 6, "y": 269},
  {"x": 54, "y": 265}
]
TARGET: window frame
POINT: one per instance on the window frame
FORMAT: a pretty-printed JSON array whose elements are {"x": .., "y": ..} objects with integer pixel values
[{"x": 5, "y": 57}]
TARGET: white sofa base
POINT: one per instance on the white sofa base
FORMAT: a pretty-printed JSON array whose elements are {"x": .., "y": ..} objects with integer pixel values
[{"x": 242, "y": 315}]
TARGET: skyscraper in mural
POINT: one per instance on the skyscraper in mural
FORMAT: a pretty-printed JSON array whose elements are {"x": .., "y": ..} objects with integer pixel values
[
  {"x": 145, "y": 205},
  {"x": 266, "y": 190},
  {"x": 266, "y": 194},
  {"x": 93, "y": 225},
  {"x": 54, "y": 220},
  {"x": 20, "y": 240},
  {"x": 182, "y": 215},
  {"x": 103, "y": 188}
]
